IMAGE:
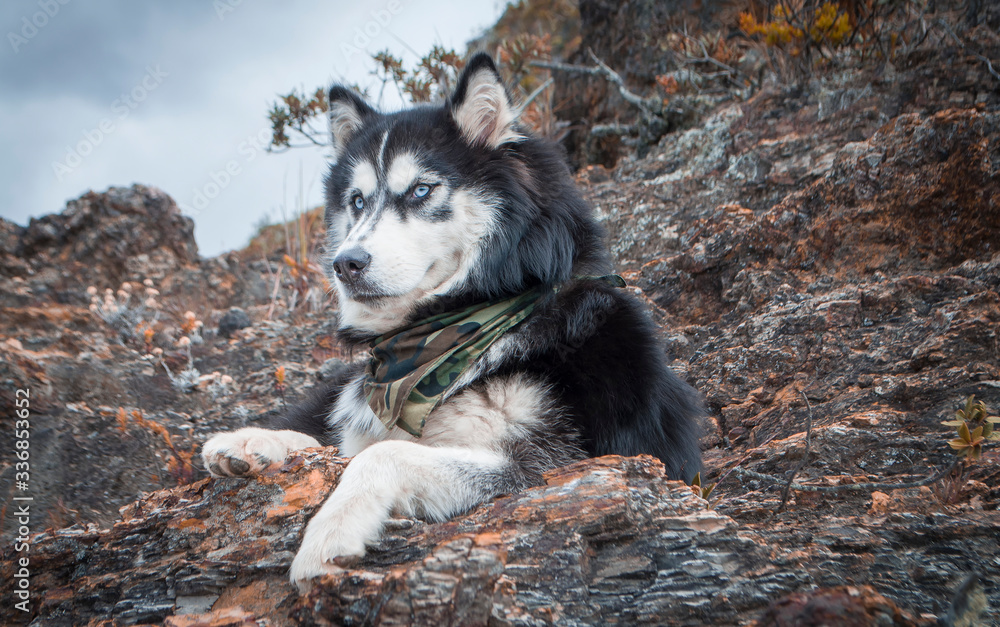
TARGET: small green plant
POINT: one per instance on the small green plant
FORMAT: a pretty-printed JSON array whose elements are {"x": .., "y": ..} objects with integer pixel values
[
  {"x": 187, "y": 379},
  {"x": 297, "y": 112},
  {"x": 128, "y": 311},
  {"x": 825, "y": 25},
  {"x": 800, "y": 35},
  {"x": 974, "y": 427},
  {"x": 702, "y": 491},
  {"x": 191, "y": 326}
]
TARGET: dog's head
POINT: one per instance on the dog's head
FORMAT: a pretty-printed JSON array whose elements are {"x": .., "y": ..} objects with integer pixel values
[{"x": 450, "y": 202}]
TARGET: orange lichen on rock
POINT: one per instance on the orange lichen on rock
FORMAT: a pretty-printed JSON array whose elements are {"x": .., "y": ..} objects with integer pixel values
[
  {"x": 309, "y": 491},
  {"x": 229, "y": 617}
]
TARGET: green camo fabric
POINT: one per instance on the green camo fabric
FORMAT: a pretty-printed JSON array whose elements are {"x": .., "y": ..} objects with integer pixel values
[{"x": 412, "y": 368}]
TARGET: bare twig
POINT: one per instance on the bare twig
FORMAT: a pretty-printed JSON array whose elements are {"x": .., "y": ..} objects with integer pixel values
[
  {"x": 745, "y": 457},
  {"x": 283, "y": 149},
  {"x": 566, "y": 67},
  {"x": 853, "y": 487},
  {"x": 267, "y": 265},
  {"x": 603, "y": 130},
  {"x": 650, "y": 106},
  {"x": 308, "y": 132},
  {"x": 274, "y": 293},
  {"x": 805, "y": 456},
  {"x": 531, "y": 97},
  {"x": 707, "y": 58},
  {"x": 989, "y": 64}
]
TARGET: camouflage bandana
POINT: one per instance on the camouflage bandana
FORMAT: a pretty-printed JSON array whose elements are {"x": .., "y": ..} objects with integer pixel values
[{"x": 412, "y": 368}]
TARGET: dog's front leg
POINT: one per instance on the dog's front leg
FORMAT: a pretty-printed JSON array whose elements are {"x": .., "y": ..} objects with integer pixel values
[{"x": 437, "y": 482}]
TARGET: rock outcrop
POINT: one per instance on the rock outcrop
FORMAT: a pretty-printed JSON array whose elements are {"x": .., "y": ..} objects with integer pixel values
[
  {"x": 99, "y": 238},
  {"x": 123, "y": 234}
]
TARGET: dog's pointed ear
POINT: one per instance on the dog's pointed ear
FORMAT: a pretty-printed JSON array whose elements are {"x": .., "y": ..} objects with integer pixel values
[
  {"x": 347, "y": 113},
  {"x": 480, "y": 106}
]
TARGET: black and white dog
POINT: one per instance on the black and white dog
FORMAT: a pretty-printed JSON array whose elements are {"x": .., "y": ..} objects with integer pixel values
[{"x": 442, "y": 210}]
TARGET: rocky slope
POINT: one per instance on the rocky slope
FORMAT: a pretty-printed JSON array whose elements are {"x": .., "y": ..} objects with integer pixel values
[{"x": 825, "y": 261}]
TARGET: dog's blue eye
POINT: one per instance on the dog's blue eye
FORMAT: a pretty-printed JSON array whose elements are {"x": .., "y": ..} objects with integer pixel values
[
  {"x": 359, "y": 202},
  {"x": 421, "y": 190}
]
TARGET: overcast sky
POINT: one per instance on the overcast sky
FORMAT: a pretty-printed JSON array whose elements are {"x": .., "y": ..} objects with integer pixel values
[{"x": 95, "y": 93}]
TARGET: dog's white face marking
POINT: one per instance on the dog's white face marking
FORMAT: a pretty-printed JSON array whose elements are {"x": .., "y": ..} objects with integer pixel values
[
  {"x": 404, "y": 173},
  {"x": 474, "y": 217},
  {"x": 381, "y": 151},
  {"x": 418, "y": 247},
  {"x": 364, "y": 179}
]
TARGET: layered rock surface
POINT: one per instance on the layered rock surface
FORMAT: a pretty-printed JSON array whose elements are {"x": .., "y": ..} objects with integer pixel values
[{"x": 605, "y": 541}]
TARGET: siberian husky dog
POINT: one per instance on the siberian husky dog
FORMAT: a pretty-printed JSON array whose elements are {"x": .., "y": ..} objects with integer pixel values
[{"x": 499, "y": 346}]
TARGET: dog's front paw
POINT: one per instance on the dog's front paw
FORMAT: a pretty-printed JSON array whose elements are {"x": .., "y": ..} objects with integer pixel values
[
  {"x": 250, "y": 450},
  {"x": 323, "y": 552}
]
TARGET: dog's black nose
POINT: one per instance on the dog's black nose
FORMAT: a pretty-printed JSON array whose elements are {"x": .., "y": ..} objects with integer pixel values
[{"x": 350, "y": 264}]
